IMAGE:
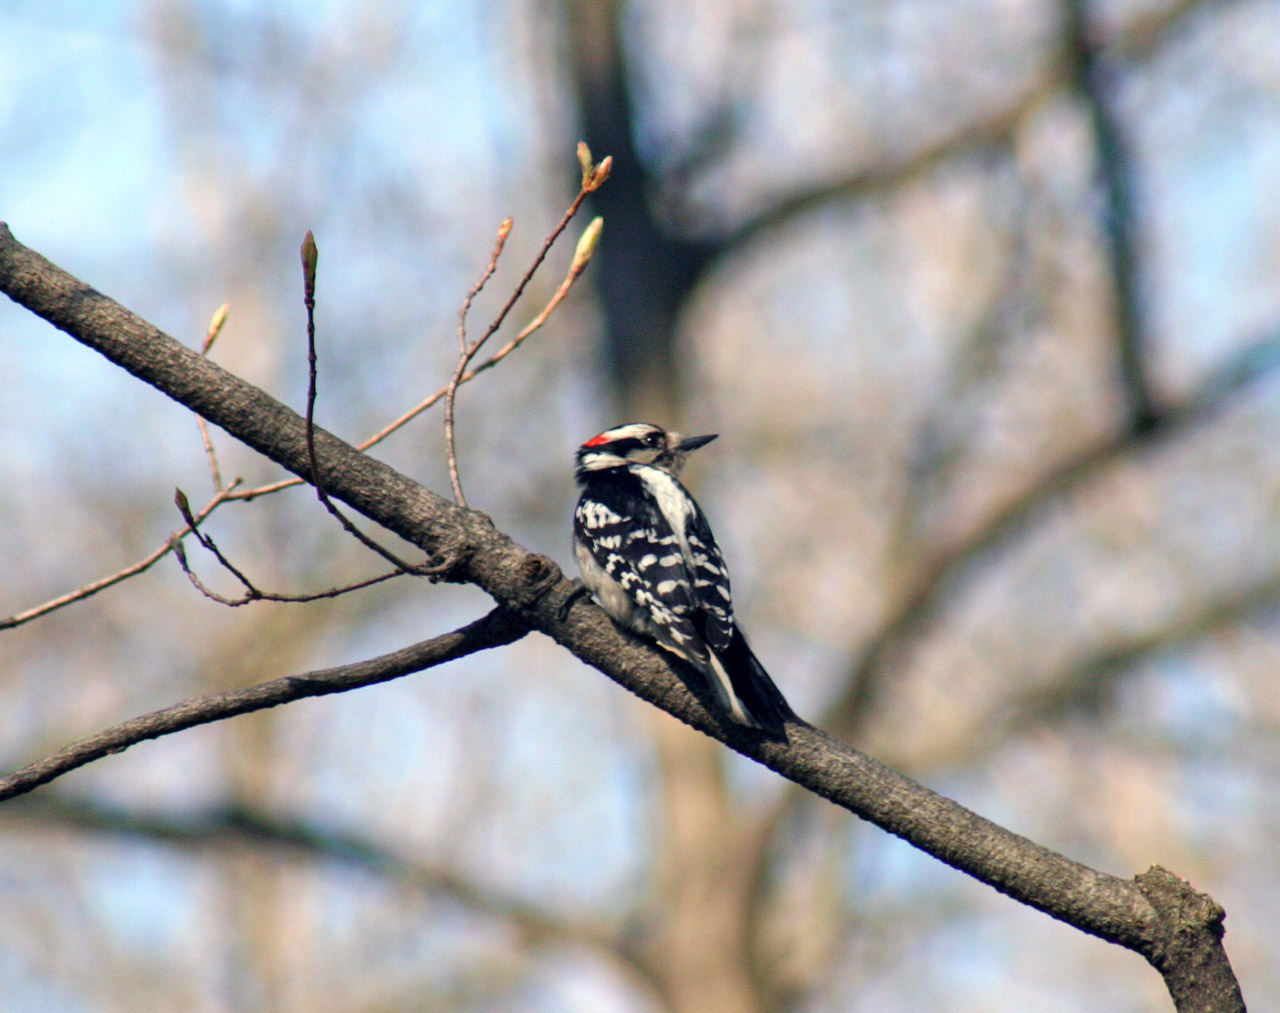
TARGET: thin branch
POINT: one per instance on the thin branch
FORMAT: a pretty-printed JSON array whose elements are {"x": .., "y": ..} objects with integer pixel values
[
  {"x": 310, "y": 255},
  {"x": 211, "y": 335},
  {"x": 248, "y": 495},
  {"x": 593, "y": 177},
  {"x": 428, "y": 402},
  {"x": 221, "y": 495},
  {"x": 252, "y": 593},
  {"x": 466, "y": 377},
  {"x": 102, "y": 584},
  {"x": 496, "y": 629},
  {"x": 451, "y": 391},
  {"x": 184, "y": 508},
  {"x": 582, "y": 255}
]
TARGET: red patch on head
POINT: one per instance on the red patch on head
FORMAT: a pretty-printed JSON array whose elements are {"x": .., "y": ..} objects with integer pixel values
[{"x": 595, "y": 441}]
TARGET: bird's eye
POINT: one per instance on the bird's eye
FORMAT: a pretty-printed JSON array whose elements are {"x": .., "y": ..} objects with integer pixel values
[{"x": 653, "y": 439}]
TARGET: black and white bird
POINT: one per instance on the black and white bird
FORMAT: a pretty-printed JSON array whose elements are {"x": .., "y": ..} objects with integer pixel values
[{"x": 648, "y": 556}]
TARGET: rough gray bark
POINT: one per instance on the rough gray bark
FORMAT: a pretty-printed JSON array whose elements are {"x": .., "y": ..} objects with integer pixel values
[{"x": 1178, "y": 930}]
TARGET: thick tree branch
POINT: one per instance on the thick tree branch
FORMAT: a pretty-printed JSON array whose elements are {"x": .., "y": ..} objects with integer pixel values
[{"x": 1176, "y": 929}]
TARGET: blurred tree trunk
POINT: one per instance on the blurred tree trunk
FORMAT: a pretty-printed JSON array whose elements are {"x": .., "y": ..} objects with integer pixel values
[{"x": 645, "y": 274}]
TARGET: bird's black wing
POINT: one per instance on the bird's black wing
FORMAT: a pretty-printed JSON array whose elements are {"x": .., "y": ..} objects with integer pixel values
[
  {"x": 638, "y": 548},
  {"x": 710, "y": 583},
  {"x": 751, "y": 683}
]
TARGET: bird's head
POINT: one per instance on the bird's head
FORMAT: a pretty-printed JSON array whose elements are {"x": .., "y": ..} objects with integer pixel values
[{"x": 638, "y": 443}]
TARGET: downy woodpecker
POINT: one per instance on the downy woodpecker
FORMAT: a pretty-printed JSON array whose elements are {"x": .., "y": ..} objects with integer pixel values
[{"x": 648, "y": 556}]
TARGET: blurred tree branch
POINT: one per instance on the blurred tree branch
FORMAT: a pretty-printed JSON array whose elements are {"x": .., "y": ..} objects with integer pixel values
[
  {"x": 1089, "y": 65},
  {"x": 647, "y": 271},
  {"x": 1090, "y": 68},
  {"x": 1094, "y": 78},
  {"x": 213, "y": 829},
  {"x": 650, "y": 270},
  {"x": 1097, "y": 676},
  {"x": 914, "y": 614}
]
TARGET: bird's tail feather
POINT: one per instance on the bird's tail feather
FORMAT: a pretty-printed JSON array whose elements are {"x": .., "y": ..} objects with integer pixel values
[{"x": 762, "y": 700}]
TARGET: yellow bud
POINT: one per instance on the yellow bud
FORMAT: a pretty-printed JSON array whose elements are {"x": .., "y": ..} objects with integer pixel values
[
  {"x": 219, "y": 318},
  {"x": 587, "y": 244},
  {"x": 309, "y": 256},
  {"x": 599, "y": 174}
]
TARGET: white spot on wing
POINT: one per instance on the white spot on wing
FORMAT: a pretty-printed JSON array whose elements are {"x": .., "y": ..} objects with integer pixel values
[{"x": 596, "y": 515}]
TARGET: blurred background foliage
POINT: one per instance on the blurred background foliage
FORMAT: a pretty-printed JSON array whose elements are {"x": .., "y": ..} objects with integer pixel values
[{"x": 982, "y": 295}]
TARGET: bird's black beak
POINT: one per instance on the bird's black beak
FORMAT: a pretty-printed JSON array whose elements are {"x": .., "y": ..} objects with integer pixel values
[{"x": 694, "y": 442}]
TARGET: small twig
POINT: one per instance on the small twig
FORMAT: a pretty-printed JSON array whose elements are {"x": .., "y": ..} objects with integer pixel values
[
  {"x": 582, "y": 255},
  {"x": 496, "y": 629},
  {"x": 251, "y": 592},
  {"x": 180, "y": 500},
  {"x": 464, "y": 356},
  {"x": 593, "y": 177},
  {"x": 215, "y": 328},
  {"x": 271, "y": 487},
  {"x": 309, "y": 257},
  {"x": 599, "y": 174},
  {"x": 504, "y": 230},
  {"x": 591, "y": 181},
  {"x": 103, "y": 583}
]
